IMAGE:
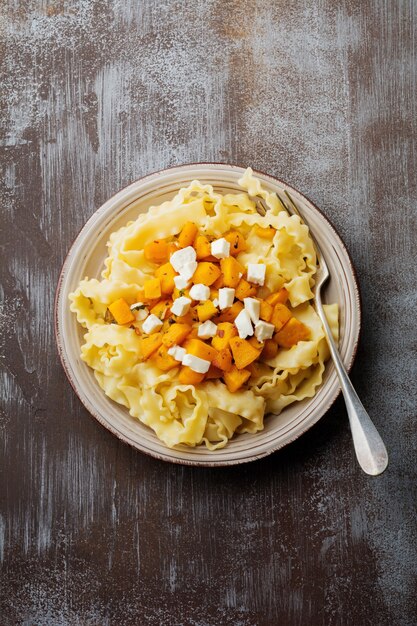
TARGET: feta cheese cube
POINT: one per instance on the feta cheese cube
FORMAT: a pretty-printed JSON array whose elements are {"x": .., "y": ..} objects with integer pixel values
[
  {"x": 181, "y": 306},
  {"x": 188, "y": 269},
  {"x": 177, "y": 352},
  {"x": 206, "y": 330},
  {"x": 196, "y": 364},
  {"x": 256, "y": 273},
  {"x": 220, "y": 248},
  {"x": 182, "y": 257},
  {"x": 253, "y": 307},
  {"x": 181, "y": 282},
  {"x": 264, "y": 330},
  {"x": 244, "y": 325},
  {"x": 151, "y": 324},
  {"x": 226, "y": 297},
  {"x": 216, "y": 302},
  {"x": 200, "y": 292}
]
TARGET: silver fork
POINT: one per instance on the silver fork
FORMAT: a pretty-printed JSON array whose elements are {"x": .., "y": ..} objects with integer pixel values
[{"x": 369, "y": 447}]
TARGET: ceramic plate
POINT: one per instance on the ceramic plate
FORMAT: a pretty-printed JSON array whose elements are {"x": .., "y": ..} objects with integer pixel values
[{"x": 86, "y": 257}]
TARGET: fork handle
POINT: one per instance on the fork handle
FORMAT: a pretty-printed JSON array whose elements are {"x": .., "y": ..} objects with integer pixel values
[{"x": 370, "y": 449}]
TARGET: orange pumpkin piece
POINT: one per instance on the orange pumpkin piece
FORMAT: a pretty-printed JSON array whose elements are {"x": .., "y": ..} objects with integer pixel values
[
  {"x": 293, "y": 332},
  {"x": 270, "y": 350},
  {"x": 280, "y": 296},
  {"x": 225, "y": 331},
  {"x": 187, "y": 376},
  {"x": 162, "y": 309},
  {"x": 280, "y": 316},
  {"x": 150, "y": 302},
  {"x": 265, "y": 233},
  {"x": 121, "y": 312},
  {"x": 157, "y": 251},
  {"x": 214, "y": 372},
  {"x": 235, "y": 378},
  {"x": 219, "y": 283},
  {"x": 178, "y": 293},
  {"x": 202, "y": 247},
  {"x": 245, "y": 289},
  {"x": 206, "y": 310},
  {"x": 206, "y": 273},
  {"x": 187, "y": 234},
  {"x": 237, "y": 242},
  {"x": 255, "y": 369},
  {"x": 232, "y": 271},
  {"x": 166, "y": 275},
  {"x": 265, "y": 311},
  {"x": 223, "y": 360},
  {"x": 152, "y": 288},
  {"x": 256, "y": 344},
  {"x": 176, "y": 334},
  {"x": 243, "y": 352},
  {"x": 148, "y": 345},
  {"x": 230, "y": 314},
  {"x": 163, "y": 360},
  {"x": 188, "y": 318},
  {"x": 201, "y": 349}
]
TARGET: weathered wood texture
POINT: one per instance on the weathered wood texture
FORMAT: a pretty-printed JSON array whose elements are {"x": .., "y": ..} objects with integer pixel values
[{"x": 94, "y": 95}]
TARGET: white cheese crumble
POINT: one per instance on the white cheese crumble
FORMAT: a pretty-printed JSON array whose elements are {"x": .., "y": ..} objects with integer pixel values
[
  {"x": 220, "y": 248},
  {"x": 256, "y": 273},
  {"x": 181, "y": 306},
  {"x": 226, "y": 297},
  {"x": 207, "y": 330},
  {"x": 200, "y": 292},
  {"x": 244, "y": 325},
  {"x": 151, "y": 324},
  {"x": 253, "y": 307},
  {"x": 196, "y": 364},
  {"x": 264, "y": 330}
]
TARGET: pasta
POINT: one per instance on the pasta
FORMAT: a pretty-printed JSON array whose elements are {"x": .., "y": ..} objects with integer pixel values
[{"x": 135, "y": 358}]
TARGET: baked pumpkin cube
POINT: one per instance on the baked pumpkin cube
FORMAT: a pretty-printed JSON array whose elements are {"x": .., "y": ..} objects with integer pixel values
[
  {"x": 206, "y": 310},
  {"x": 265, "y": 311},
  {"x": 293, "y": 332},
  {"x": 152, "y": 288},
  {"x": 237, "y": 242},
  {"x": 280, "y": 296},
  {"x": 176, "y": 334},
  {"x": 280, "y": 316},
  {"x": 223, "y": 360},
  {"x": 225, "y": 331},
  {"x": 187, "y": 376},
  {"x": 232, "y": 271},
  {"x": 243, "y": 352},
  {"x": 157, "y": 251},
  {"x": 187, "y": 235},
  {"x": 230, "y": 314},
  {"x": 166, "y": 275},
  {"x": 201, "y": 349},
  {"x": 206, "y": 273},
  {"x": 121, "y": 312},
  {"x": 202, "y": 247},
  {"x": 148, "y": 345},
  {"x": 163, "y": 360},
  {"x": 270, "y": 350},
  {"x": 235, "y": 378},
  {"x": 245, "y": 289}
]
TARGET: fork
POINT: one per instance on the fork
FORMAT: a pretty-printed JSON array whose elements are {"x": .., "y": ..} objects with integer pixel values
[{"x": 369, "y": 447}]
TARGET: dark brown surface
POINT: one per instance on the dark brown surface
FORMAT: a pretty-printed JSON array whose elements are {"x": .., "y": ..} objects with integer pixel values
[{"x": 96, "y": 94}]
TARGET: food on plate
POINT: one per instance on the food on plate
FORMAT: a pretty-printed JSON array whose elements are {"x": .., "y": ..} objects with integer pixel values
[{"x": 202, "y": 322}]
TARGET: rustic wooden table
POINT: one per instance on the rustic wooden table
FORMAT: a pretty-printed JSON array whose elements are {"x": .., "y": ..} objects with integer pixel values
[{"x": 98, "y": 93}]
